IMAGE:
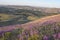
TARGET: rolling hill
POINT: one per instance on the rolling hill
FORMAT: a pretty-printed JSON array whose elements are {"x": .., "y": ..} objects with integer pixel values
[
  {"x": 23, "y": 14},
  {"x": 29, "y": 23},
  {"x": 45, "y": 25}
]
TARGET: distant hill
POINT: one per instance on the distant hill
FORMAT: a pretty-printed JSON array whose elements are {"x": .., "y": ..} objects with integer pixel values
[
  {"x": 12, "y": 14},
  {"x": 43, "y": 9}
]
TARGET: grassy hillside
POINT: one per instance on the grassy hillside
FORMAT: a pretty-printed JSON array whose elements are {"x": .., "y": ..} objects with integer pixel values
[
  {"x": 28, "y": 28},
  {"x": 49, "y": 31},
  {"x": 10, "y": 16}
]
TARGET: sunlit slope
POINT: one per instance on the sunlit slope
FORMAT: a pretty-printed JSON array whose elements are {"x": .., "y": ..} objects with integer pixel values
[
  {"x": 5, "y": 17},
  {"x": 36, "y": 23},
  {"x": 54, "y": 18},
  {"x": 36, "y": 30},
  {"x": 22, "y": 24}
]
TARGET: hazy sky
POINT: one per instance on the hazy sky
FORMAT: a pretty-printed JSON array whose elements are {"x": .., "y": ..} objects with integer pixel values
[{"x": 43, "y": 3}]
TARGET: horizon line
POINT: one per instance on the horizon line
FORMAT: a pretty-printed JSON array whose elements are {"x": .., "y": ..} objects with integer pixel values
[{"x": 27, "y": 5}]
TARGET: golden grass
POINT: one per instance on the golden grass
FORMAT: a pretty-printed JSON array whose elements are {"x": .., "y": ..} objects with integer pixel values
[
  {"x": 5, "y": 17},
  {"x": 32, "y": 17}
]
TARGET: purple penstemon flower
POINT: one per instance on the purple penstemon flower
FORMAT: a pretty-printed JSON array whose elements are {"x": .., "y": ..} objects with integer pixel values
[{"x": 45, "y": 37}]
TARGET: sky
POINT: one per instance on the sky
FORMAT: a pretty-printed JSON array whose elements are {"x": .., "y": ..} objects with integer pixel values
[{"x": 38, "y": 3}]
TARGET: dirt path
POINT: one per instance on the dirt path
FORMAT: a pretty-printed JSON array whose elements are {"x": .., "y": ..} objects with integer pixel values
[{"x": 31, "y": 24}]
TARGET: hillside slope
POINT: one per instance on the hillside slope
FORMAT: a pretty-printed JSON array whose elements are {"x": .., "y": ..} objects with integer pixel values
[
  {"x": 55, "y": 18},
  {"x": 10, "y": 15}
]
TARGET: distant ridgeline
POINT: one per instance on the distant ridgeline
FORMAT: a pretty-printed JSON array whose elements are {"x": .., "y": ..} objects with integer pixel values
[{"x": 10, "y": 16}]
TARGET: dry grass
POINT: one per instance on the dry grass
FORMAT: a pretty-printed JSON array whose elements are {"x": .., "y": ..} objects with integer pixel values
[{"x": 4, "y": 17}]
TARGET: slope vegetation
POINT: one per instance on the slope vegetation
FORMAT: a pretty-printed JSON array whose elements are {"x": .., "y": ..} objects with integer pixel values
[{"x": 54, "y": 18}]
